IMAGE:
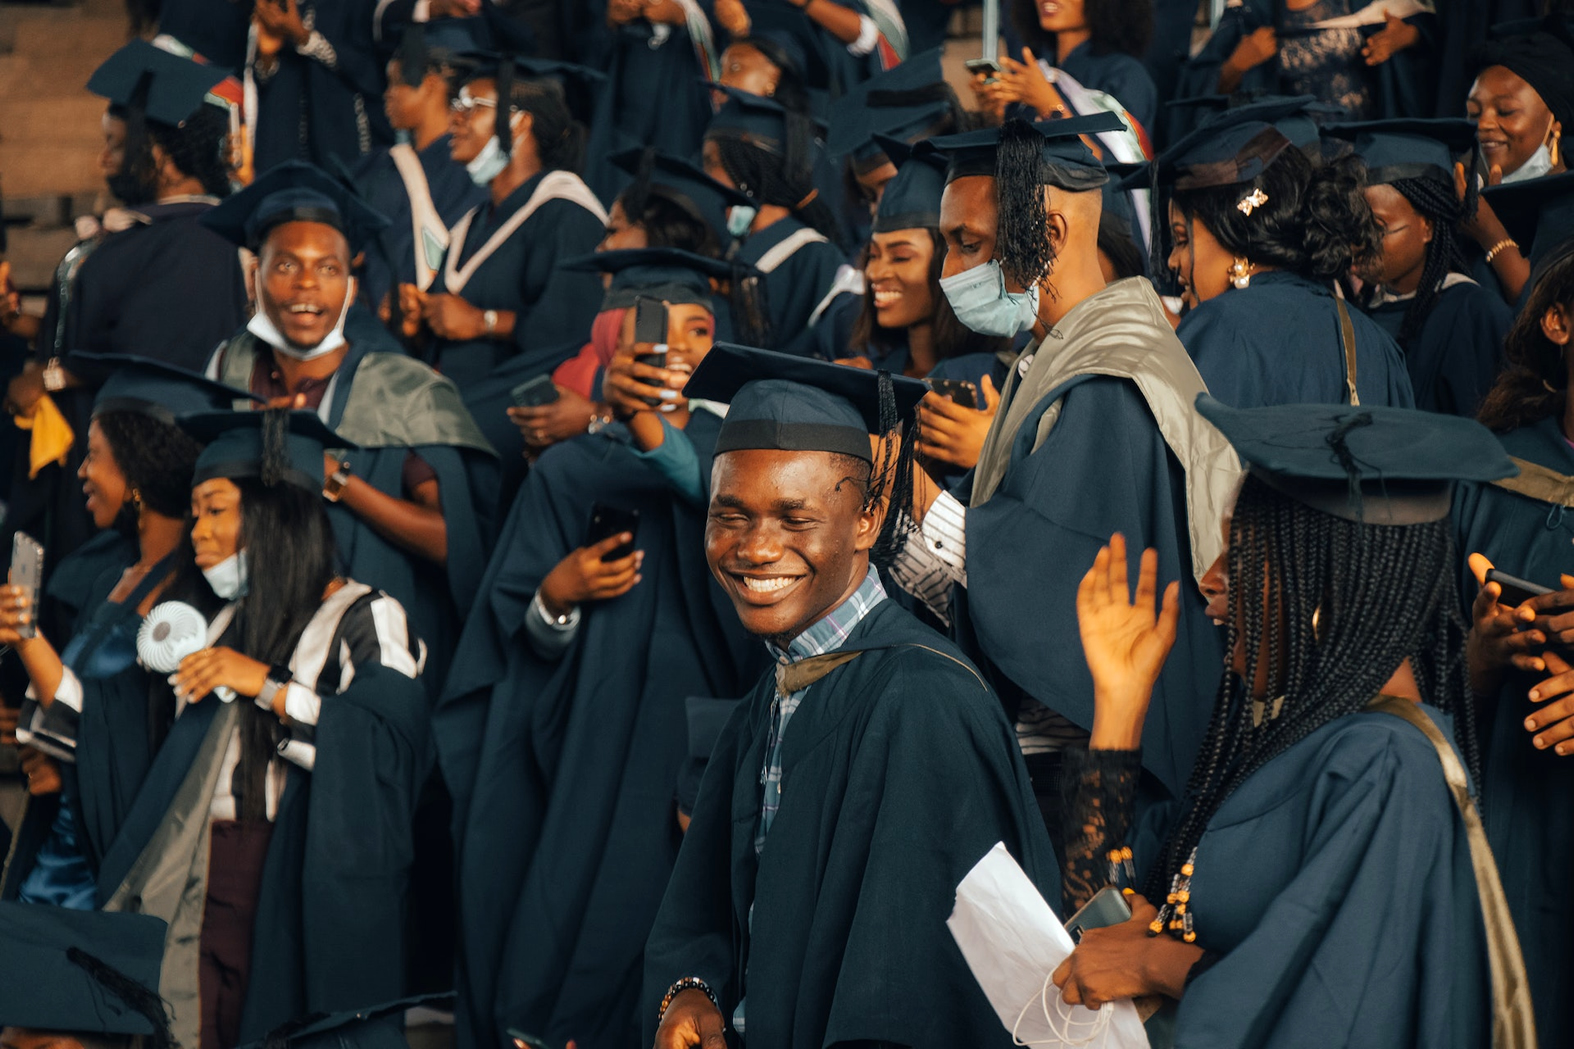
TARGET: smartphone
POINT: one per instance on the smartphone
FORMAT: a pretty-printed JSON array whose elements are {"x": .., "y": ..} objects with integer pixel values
[
  {"x": 27, "y": 571},
  {"x": 608, "y": 521},
  {"x": 962, "y": 391},
  {"x": 533, "y": 393},
  {"x": 1516, "y": 591},
  {"x": 650, "y": 320},
  {"x": 1107, "y": 907},
  {"x": 988, "y": 66}
]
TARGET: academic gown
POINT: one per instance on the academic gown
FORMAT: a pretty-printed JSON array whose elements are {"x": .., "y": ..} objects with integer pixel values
[
  {"x": 797, "y": 271},
  {"x": 391, "y": 406},
  {"x": 167, "y": 288},
  {"x": 630, "y": 115},
  {"x": 1455, "y": 357},
  {"x": 326, "y": 105},
  {"x": 399, "y": 252},
  {"x": 519, "y": 272},
  {"x": 899, "y": 773},
  {"x": 1525, "y": 791},
  {"x": 1118, "y": 75},
  {"x": 1336, "y": 881},
  {"x": 215, "y": 29},
  {"x": 563, "y": 770},
  {"x": 1277, "y": 342},
  {"x": 329, "y": 932}
]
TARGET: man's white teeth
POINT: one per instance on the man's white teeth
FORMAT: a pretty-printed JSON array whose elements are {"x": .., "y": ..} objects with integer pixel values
[
  {"x": 769, "y": 585},
  {"x": 305, "y": 307}
]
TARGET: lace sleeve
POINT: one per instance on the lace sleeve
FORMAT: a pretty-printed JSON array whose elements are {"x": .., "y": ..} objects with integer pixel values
[{"x": 1097, "y": 792}]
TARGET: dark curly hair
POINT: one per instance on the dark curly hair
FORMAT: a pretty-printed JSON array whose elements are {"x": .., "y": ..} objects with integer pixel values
[
  {"x": 156, "y": 459},
  {"x": 669, "y": 220},
  {"x": 769, "y": 179},
  {"x": 1535, "y": 383},
  {"x": 1315, "y": 223},
  {"x": 952, "y": 337},
  {"x": 1124, "y": 26},
  {"x": 560, "y": 138},
  {"x": 199, "y": 148}
]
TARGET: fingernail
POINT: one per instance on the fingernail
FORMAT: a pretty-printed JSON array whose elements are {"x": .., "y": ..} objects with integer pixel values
[
  {"x": 669, "y": 395},
  {"x": 1540, "y": 743},
  {"x": 1561, "y": 748},
  {"x": 1534, "y": 694},
  {"x": 1530, "y": 723}
]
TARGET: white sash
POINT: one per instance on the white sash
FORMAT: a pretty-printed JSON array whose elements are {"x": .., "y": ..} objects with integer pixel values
[
  {"x": 431, "y": 236},
  {"x": 554, "y": 185},
  {"x": 774, "y": 257}
]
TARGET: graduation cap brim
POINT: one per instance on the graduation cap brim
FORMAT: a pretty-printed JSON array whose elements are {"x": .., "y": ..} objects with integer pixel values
[
  {"x": 294, "y": 191},
  {"x": 779, "y": 23},
  {"x": 175, "y": 86},
  {"x": 1538, "y": 212},
  {"x": 1375, "y": 465},
  {"x": 133, "y": 384},
  {"x": 911, "y": 199},
  {"x": 750, "y": 112},
  {"x": 1067, "y": 162},
  {"x": 679, "y": 175},
  {"x": 341, "y": 1026},
  {"x": 234, "y": 445},
  {"x": 1398, "y": 149},
  {"x": 809, "y": 405},
  {"x": 485, "y": 65},
  {"x": 43, "y": 989},
  {"x": 655, "y": 258},
  {"x": 868, "y": 109}
]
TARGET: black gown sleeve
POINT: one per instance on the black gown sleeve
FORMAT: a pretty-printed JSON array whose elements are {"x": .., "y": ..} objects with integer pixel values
[{"x": 1098, "y": 790}]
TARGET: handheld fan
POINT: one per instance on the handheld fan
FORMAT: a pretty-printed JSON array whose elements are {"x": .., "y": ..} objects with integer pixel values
[{"x": 172, "y": 631}]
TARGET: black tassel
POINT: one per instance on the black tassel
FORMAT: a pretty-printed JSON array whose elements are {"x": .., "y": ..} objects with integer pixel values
[
  {"x": 891, "y": 479},
  {"x": 1341, "y": 449},
  {"x": 275, "y": 446},
  {"x": 137, "y": 997},
  {"x": 412, "y": 55},
  {"x": 505, "y": 105},
  {"x": 638, "y": 194}
]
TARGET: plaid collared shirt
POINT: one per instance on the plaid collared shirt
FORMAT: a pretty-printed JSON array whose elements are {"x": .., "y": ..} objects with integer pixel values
[{"x": 826, "y": 635}]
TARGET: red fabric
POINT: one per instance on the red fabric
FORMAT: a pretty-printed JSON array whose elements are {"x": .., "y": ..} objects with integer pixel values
[{"x": 578, "y": 373}]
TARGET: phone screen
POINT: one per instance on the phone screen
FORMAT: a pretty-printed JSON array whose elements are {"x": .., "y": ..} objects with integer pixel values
[
  {"x": 650, "y": 321},
  {"x": 608, "y": 521}
]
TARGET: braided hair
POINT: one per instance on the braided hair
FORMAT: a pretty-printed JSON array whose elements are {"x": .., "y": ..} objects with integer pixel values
[
  {"x": 199, "y": 149},
  {"x": 1535, "y": 383},
  {"x": 1330, "y": 609},
  {"x": 1442, "y": 207},
  {"x": 1022, "y": 243},
  {"x": 765, "y": 176}
]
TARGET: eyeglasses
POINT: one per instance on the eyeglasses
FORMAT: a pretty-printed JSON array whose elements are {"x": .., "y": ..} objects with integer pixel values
[{"x": 467, "y": 103}]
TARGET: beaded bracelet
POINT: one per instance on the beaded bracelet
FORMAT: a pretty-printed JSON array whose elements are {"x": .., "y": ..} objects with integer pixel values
[
  {"x": 688, "y": 983},
  {"x": 1492, "y": 252}
]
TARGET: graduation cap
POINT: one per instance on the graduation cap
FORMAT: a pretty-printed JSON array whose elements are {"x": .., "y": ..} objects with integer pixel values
[
  {"x": 1294, "y": 115},
  {"x": 277, "y": 446},
  {"x": 709, "y": 199},
  {"x": 1065, "y": 160},
  {"x": 577, "y": 82},
  {"x": 374, "y": 1027},
  {"x": 1220, "y": 153},
  {"x": 903, "y": 103},
  {"x": 759, "y": 121},
  {"x": 1538, "y": 212},
  {"x": 81, "y": 972},
  {"x": 912, "y": 198},
  {"x": 158, "y": 390},
  {"x": 1405, "y": 148},
  {"x": 658, "y": 273},
  {"x": 1373, "y": 465},
  {"x": 167, "y": 87},
  {"x": 794, "y": 36},
  {"x": 294, "y": 191},
  {"x": 1542, "y": 57},
  {"x": 797, "y": 404}
]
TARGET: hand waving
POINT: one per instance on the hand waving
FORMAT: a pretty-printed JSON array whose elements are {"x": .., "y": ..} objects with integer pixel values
[{"x": 1124, "y": 641}]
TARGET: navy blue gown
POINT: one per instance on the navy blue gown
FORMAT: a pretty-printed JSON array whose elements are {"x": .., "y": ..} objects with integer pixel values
[
  {"x": 1525, "y": 791},
  {"x": 1277, "y": 342},
  {"x": 400, "y": 255},
  {"x": 798, "y": 268},
  {"x": 553, "y": 307},
  {"x": 1118, "y": 75},
  {"x": 1455, "y": 357}
]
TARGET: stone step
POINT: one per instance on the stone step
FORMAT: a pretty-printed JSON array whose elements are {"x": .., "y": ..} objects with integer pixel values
[
  {"x": 71, "y": 121},
  {"x": 47, "y": 169},
  {"x": 72, "y": 39},
  {"x": 34, "y": 254}
]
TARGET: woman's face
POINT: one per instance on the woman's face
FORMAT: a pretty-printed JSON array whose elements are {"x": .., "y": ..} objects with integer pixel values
[
  {"x": 404, "y": 103},
  {"x": 1198, "y": 260},
  {"x": 1511, "y": 119},
  {"x": 1057, "y": 16},
  {"x": 621, "y": 233},
  {"x": 746, "y": 69},
  {"x": 112, "y": 157},
  {"x": 710, "y": 160},
  {"x": 472, "y": 120},
  {"x": 102, "y": 482},
  {"x": 690, "y": 332},
  {"x": 1406, "y": 233},
  {"x": 873, "y": 182},
  {"x": 897, "y": 270},
  {"x": 216, "y": 520},
  {"x": 1215, "y": 587}
]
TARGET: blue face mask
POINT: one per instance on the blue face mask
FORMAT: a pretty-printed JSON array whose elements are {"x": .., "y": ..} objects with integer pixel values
[
  {"x": 488, "y": 164},
  {"x": 228, "y": 577},
  {"x": 980, "y": 300},
  {"x": 739, "y": 218}
]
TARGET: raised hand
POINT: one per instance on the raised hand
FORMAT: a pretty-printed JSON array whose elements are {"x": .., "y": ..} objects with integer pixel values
[{"x": 1125, "y": 641}]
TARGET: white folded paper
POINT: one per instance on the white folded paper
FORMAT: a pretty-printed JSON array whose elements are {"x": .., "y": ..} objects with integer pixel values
[{"x": 1013, "y": 942}]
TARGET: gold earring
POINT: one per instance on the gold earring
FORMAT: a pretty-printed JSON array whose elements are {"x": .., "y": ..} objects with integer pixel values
[
  {"x": 1316, "y": 615},
  {"x": 1552, "y": 150},
  {"x": 1240, "y": 272},
  {"x": 136, "y": 500}
]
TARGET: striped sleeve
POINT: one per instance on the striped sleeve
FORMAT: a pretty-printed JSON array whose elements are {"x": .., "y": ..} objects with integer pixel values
[{"x": 934, "y": 558}]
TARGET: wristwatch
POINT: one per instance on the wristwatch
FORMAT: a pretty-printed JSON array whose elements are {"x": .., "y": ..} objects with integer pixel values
[
  {"x": 54, "y": 376},
  {"x": 278, "y": 677},
  {"x": 489, "y": 319},
  {"x": 333, "y": 487}
]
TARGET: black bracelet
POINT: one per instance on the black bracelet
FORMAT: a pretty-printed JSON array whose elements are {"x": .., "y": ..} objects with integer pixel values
[{"x": 688, "y": 983}]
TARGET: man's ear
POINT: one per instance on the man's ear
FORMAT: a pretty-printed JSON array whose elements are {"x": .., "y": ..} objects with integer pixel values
[{"x": 1058, "y": 230}]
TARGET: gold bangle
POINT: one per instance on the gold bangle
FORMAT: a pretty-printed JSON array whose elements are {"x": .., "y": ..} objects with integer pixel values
[{"x": 1494, "y": 250}]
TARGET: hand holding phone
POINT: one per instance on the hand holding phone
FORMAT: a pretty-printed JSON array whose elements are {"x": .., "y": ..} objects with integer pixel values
[
  {"x": 534, "y": 393},
  {"x": 608, "y": 521},
  {"x": 27, "y": 572},
  {"x": 960, "y": 391},
  {"x": 1516, "y": 591}
]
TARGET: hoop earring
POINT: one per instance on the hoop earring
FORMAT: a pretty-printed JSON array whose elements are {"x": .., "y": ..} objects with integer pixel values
[
  {"x": 1241, "y": 272},
  {"x": 1552, "y": 149}
]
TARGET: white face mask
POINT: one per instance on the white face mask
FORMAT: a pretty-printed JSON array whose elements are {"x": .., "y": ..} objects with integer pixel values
[
  {"x": 228, "y": 577},
  {"x": 268, "y": 332},
  {"x": 488, "y": 164},
  {"x": 980, "y": 300},
  {"x": 1539, "y": 164},
  {"x": 739, "y": 218}
]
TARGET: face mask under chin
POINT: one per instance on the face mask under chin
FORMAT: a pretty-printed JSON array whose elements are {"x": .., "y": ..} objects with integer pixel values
[
  {"x": 263, "y": 328},
  {"x": 228, "y": 578}
]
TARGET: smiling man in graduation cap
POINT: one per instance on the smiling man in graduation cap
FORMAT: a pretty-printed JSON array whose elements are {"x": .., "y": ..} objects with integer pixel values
[
  {"x": 815, "y": 916},
  {"x": 1095, "y": 434}
]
